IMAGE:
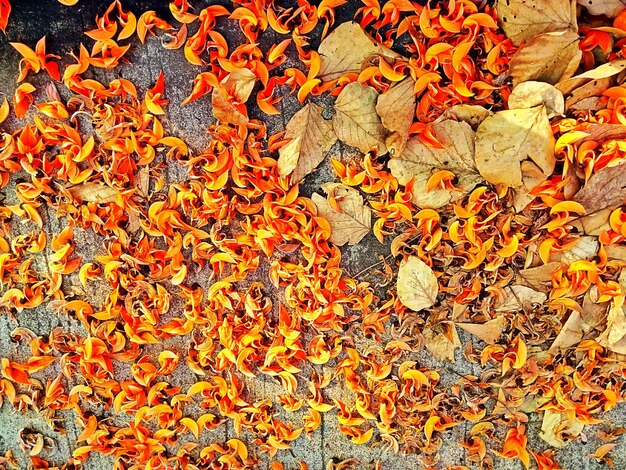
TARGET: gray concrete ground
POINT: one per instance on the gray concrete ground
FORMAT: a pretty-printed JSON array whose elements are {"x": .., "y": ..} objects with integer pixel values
[{"x": 63, "y": 27}]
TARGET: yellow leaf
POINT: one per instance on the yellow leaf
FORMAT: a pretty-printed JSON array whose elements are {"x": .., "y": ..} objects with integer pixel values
[
  {"x": 507, "y": 138},
  {"x": 355, "y": 219},
  {"x": 489, "y": 332},
  {"x": 531, "y": 94},
  {"x": 417, "y": 284},
  {"x": 419, "y": 162},
  {"x": 99, "y": 193},
  {"x": 346, "y": 49},
  {"x": 311, "y": 137},
  {"x": 550, "y": 57},
  {"x": 356, "y": 122},
  {"x": 525, "y": 19},
  {"x": 396, "y": 108}
]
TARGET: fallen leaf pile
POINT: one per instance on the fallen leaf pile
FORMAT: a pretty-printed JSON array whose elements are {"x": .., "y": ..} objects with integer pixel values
[{"x": 487, "y": 160}]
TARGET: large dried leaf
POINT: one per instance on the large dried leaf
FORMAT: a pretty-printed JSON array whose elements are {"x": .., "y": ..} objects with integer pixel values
[
  {"x": 601, "y": 72},
  {"x": 311, "y": 137},
  {"x": 585, "y": 248},
  {"x": 602, "y": 132},
  {"x": 550, "y": 57},
  {"x": 396, "y": 108},
  {"x": 531, "y": 94},
  {"x": 539, "y": 278},
  {"x": 610, "y": 8},
  {"x": 355, "y": 219},
  {"x": 442, "y": 345},
  {"x": 558, "y": 430},
  {"x": 225, "y": 111},
  {"x": 417, "y": 284},
  {"x": 94, "y": 192},
  {"x": 346, "y": 49},
  {"x": 525, "y": 19},
  {"x": 519, "y": 297},
  {"x": 239, "y": 84},
  {"x": 531, "y": 177},
  {"x": 419, "y": 161},
  {"x": 470, "y": 113},
  {"x": 606, "y": 189},
  {"x": 614, "y": 336},
  {"x": 356, "y": 122},
  {"x": 507, "y": 138},
  {"x": 489, "y": 332}
]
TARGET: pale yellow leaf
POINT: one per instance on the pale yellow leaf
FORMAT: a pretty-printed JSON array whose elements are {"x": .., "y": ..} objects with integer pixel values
[
  {"x": 396, "y": 108},
  {"x": 489, "y": 332},
  {"x": 539, "y": 278},
  {"x": 531, "y": 177},
  {"x": 531, "y": 94},
  {"x": 94, "y": 192},
  {"x": 610, "y": 8},
  {"x": 225, "y": 111},
  {"x": 550, "y": 57},
  {"x": 519, "y": 298},
  {"x": 509, "y": 137},
  {"x": 417, "y": 284},
  {"x": 586, "y": 247},
  {"x": 472, "y": 114},
  {"x": 614, "y": 336},
  {"x": 311, "y": 138},
  {"x": 346, "y": 49},
  {"x": 525, "y": 19},
  {"x": 239, "y": 84},
  {"x": 419, "y": 162},
  {"x": 355, "y": 219},
  {"x": 606, "y": 189},
  {"x": 442, "y": 345},
  {"x": 557, "y": 429},
  {"x": 356, "y": 122}
]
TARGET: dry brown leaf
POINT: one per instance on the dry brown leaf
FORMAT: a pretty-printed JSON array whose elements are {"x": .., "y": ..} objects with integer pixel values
[
  {"x": 396, "y": 108},
  {"x": 539, "y": 278},
  {"x": 142, "y": 182},
  {"x": 531, "y": 94},
  {"x": 586, "y": 247},
  {"x": 531, "y": 177},
  {"x": 610, "y": 8},
  {"x": 311, "y": 138},
  {"x": 550, "y": 57},
  {"x": 419, "y": 162},
  {"x": 355, "y": 219},
  {"x": 614, "y": 336},
  {"x": 346, "y": 49},
  {"x": 602, "y": 132},
  {"x": 571, "y": 333},
  {"x": 417, "y": 284},
  {"x": 526, "y": 19},
  {"x": 507, "y": 138},
  {"x": 593, "y": 224},
  {"x": 519, "y": 297},
  {"x": 94, "y": 192},
  {"x": 356, "y": 122},
  {"x": 557, "y": 429},
  {"x": 616, "y": 252},
  {"x": 442, "y": 345},
  {"x": 606, "y": 189},
  {"x": 601, "y": 72},
  {"x": 470, "y": 113},
  {"x": 225, "y": 111},
  {"x": 239, "y": 84},
  {"x": 590, "y": 90},
  {"x": 489, "y": 332}
]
